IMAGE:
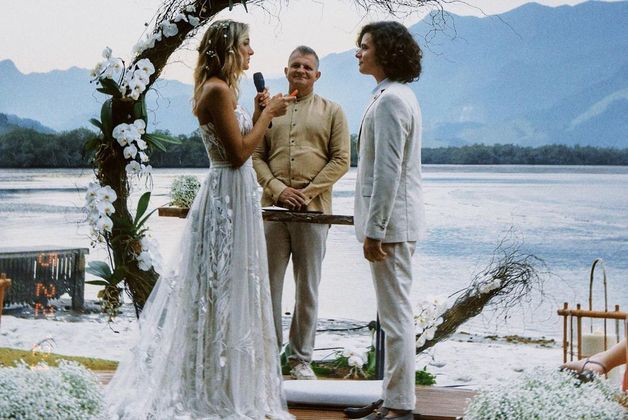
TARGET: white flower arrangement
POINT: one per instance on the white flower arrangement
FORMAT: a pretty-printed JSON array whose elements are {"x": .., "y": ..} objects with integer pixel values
[
  {"x": 548, "y": 394},
  {"x": 356, "y": 359},
  {"x": 149, "y": 257},
  {"x": 99, "y": 205},
  {"x": 69, "y": 391},
  {"x": 428, "y": 318},
  {"x": 167, "y": 29},
  {"x": 129, "y": 136},
  {"x": 183, "y": 190}
]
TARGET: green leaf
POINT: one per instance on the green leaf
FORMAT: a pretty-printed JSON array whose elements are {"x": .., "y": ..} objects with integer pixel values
[
  {"x": 244, "y": 4},
  {"x": 98, "y": 282},
  {"x": 163, "y": 138},
  {"x": 90, "y": 145},
  {"x": 139, "y": 225},
  {"x": 100, "y": 269},
  {"x": 95, "y": 122},
  {"x": 155, "y": 143},
  {"x": 142, "y": 205},
  {"x": 118, "y": 275},
  {"x": 423, "y": 377},
  {"x": 139, "y": 109},
  {"x": 110, "y": 87},
  {"x": 106, "y": 116}
]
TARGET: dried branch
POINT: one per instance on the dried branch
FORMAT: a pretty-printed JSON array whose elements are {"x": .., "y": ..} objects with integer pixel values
[{"x": 508, "y": 279}]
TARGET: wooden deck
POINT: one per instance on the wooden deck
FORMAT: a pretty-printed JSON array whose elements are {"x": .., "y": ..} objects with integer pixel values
[{"x": 432, "y": 403}]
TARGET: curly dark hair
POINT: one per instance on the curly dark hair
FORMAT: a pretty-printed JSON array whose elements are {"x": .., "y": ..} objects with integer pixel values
[{"x": 395, "y": 50}]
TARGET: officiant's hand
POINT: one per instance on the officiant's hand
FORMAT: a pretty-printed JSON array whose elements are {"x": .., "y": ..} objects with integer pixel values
[
  {"x": 373, "y": 250},
  {"x": 291, "y": 198}
]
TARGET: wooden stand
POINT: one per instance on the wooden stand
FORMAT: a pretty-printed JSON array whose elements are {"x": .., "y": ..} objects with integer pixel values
[
  {"x": 5, "y": 283},
  {"x": 275, "y": 216}
]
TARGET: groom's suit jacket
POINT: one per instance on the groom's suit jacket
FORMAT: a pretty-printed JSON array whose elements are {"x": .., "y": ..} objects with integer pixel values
[{"x": 388, "y": 196}]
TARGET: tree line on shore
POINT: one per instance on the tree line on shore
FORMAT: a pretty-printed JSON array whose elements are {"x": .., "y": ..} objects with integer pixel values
[{"x": 25, "y": 148}]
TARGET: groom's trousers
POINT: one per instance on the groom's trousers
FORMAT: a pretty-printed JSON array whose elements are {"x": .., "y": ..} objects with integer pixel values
[
  {"x": 306, "y": 244},
  {"x": 392, "y": 279}
]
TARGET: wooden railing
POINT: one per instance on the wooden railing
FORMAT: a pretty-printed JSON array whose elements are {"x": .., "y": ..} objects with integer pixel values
[
  {"x": 5, "y": 283},
  {"x": 42, "y": 274}
]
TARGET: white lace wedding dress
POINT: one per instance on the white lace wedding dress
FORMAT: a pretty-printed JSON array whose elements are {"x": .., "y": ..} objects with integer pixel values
[{"x": 207, "y": 346}]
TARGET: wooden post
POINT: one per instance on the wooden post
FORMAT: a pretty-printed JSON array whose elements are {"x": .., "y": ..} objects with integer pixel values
[
  {"x": 579, "y": 331},
  {"x": 5, "y": 283},
  {"x": 565, "y": 307}
]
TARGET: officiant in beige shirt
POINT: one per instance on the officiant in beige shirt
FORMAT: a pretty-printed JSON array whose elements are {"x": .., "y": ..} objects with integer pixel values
[{"x": 303, "y": 154}]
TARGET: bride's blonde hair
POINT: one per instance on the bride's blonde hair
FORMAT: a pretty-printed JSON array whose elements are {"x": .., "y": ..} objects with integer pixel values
[{"x": 219, "y": 56}]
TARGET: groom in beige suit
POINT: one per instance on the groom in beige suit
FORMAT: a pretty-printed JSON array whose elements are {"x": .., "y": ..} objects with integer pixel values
[{"x": 389, "y": 214}]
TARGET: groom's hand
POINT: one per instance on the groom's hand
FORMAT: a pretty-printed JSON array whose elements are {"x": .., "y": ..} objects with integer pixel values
[{"x": 373, "y": 250}]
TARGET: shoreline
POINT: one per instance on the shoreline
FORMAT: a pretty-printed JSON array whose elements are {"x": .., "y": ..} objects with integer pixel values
[{"x": 465, "y": 360}]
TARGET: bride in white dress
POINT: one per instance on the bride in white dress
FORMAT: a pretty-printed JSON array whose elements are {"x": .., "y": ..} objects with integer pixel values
[{"x": 207, "y": 346}]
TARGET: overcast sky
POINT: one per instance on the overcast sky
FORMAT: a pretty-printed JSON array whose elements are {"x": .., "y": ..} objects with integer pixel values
[{"x": 44, "y": 35}]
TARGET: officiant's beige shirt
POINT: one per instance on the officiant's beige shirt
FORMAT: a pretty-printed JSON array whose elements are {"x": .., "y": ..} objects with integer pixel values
[{"x": 307, "y": 148}]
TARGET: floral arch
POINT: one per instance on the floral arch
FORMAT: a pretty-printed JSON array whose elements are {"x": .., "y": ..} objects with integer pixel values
[{"x": 122, "y": 153}]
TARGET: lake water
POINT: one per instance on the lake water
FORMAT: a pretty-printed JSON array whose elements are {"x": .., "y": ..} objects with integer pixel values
[{"x": 568, "y": 216}]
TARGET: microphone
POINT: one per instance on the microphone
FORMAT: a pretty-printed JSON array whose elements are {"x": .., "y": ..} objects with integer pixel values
[
  {"x": 258, "y": 80},
  {"x": 260, "y": 84}
]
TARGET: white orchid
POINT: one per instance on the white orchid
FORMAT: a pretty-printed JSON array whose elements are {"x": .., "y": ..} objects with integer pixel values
[
  {"x": 132, "y": 168},
  {"x": 146, "y": 169},
  {"x": 120, "y": 134},
  {"x": 169, "y": 29},
  {"x": 194, "y": 21},
  {"x": 179, "y": 17},
  {"x": 428, "y": 319},
  {"x": 148, "y": 243},
  {"x": 93, "y": 216},
  {"x": 113, "y": 69},
  {"x": 130, "y": 152},
  {"x": 355, "y": 356},
  {"x": 107, "y": 193},
  {"x": 489, "y": 286},
  {"x": 132, "y": 133},
  {"x": 146, "y": 66},
  {"x": 92, "y": 189},
  {"x": 190, "y": 8},
  {"x": 141, "y": 144},
  {"x": 137, "y": 88},
  {"x": 143, "y": 157},
  {"x": 97, "y": 70},
  {"x": 141, "y": 76},
  {"x": 140, "y": 125},
  {"x": 355, "y": 361},
  {"x": 144, "y": 261},
  {"x": 156, "y": 37},
  {"x": 106, "y": 208},
  {"x": 150, "y": 256},
  {"x": 104, "y": 224},
  {"x": 106, "y": 53}
]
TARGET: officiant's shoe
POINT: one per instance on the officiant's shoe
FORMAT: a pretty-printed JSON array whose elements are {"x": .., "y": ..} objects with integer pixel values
[
  {"x": 359, "y": 412},
  {"x": 383, "y": 413},
  {"x": 302, "y": 370}
]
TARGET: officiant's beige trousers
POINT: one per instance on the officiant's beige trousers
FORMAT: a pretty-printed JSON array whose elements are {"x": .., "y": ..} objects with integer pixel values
[
  {"x": 392, "y": 279},
  {"x": 306, "y": 243}
]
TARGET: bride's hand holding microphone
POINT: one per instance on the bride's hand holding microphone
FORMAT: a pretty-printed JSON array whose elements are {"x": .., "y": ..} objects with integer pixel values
[{"x": 274, "y": 106}]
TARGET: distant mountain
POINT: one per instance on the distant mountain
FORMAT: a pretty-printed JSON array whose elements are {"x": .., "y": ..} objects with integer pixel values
[
  {"x": 534, "y": 75},
  {"x": 12, "y": 122}
]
